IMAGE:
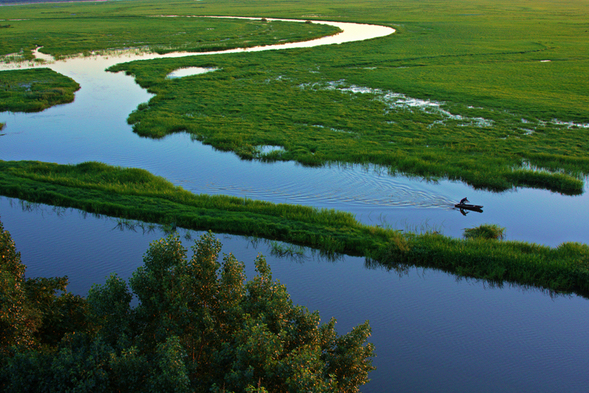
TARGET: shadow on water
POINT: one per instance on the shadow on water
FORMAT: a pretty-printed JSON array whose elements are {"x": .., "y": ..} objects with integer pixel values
[{"x": 432, "y": 331}]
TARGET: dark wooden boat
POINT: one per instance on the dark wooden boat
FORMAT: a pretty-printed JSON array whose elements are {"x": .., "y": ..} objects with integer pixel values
[{"x": 466, "y": 206}]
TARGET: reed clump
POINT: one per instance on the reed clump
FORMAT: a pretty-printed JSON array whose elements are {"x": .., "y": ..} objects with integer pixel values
[
  {"x": 34, "y": 90},
  {"x": 485, "y": 231}
]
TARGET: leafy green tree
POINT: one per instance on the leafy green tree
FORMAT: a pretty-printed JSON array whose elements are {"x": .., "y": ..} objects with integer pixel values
[
  {"x": 199, "y": 326},
  {"x": 18, "y": 319},
  {"x": 61, "y": 311},
  {"x": 111, "y": 312},
  {"x": 242, "y": 335}
]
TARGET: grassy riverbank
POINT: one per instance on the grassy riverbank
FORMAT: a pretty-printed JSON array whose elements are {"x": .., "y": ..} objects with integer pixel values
[
  {"x": 492, "y": 93},
  {"x": 136, "y": 194},
  {"x": 318, "y": 117},
  {"x": 34, "y": 90},
  {"x": 65, "y": 31}
]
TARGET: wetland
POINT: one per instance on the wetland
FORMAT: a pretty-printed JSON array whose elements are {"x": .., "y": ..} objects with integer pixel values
[{"x": 180, "y": 129}]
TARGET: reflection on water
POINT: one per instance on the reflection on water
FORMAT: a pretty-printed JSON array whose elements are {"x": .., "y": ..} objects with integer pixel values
[
  {"x": 94, "y": 128},
  {"x": 432, "y": 333}
]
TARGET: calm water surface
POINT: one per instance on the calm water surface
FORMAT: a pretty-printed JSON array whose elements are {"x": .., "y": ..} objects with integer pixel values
[
  {"x": 432, "y": 333},
  {"x": 94, "y": 127}
]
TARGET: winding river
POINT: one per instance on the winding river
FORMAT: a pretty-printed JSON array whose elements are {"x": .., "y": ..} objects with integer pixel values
[{"x": 432, "y": 333}]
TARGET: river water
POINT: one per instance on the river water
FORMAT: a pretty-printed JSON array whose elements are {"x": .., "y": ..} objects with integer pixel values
[{"x": 431, "y": 332}]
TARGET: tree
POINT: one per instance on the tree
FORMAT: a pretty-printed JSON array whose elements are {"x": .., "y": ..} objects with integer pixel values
[
  {"x": 241, "y": 335},
  {"x": 18, "y": 320},
  {"x": 199, "y": 326}
]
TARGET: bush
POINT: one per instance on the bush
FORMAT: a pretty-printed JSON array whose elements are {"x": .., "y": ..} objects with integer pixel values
[{"x": 485, "y": 231}]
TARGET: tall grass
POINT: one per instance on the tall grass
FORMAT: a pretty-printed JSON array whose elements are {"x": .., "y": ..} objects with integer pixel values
[
  {"x": 492, "y": 102},
  {"x": 493, "y": 114},
  {"x": 485, "y": 231},
  {"x": 34, "y": 90},
  {"x": 133, "y": 194}
]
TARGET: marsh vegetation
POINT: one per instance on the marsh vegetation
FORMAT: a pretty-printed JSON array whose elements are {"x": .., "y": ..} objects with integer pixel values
[
  {"x": 65, "y": 33},
  {"x": 368, "y": 102},
  {"x": 485, "y": 231},
  {"x": 490, "y": 93},
  {"x": 136, "y": 194},
  {"x": 34, "y": 90},
  {"x": 400, "y": 102},
  {"x": 461, "y": 93}
]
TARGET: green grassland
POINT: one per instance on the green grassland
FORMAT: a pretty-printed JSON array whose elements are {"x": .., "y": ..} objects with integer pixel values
[
  {"x": 494, "y": 113},
  {"x": 504, "y": 113},
  {"x": 136, "y": 194},
  {"x": 307, "y": 106},
  {"x": 34, "y": 90},
  {"x": 69, "y": 33}
]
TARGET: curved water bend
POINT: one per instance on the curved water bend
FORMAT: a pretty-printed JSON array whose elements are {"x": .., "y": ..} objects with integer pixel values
[
  {"x": 350, "y": 32},
  {"x": 94, "y": 128}
]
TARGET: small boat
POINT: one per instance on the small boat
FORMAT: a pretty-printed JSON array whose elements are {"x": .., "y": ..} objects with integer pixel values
[{"x": 467, "y": 206}]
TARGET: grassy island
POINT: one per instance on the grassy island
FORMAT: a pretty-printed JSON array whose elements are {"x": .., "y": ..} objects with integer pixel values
[
  {"x": 136, "y": 194},
  {"x": 34, "y": 90}
]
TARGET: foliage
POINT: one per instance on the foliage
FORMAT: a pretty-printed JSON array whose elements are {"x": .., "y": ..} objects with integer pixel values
[
  {"x": 18, "y": 321},
  {"x": 136, "y": 194},
  {"x": 32, "y": 314},
  {"x": 485, "y": 231},
  {"x": 199, "y": 326},
  {"x": 34, "y": 90},
  {"x": 59, "y": 314}
]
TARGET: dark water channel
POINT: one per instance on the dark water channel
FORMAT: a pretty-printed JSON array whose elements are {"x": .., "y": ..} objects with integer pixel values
[{"x": 432, "y": 333}]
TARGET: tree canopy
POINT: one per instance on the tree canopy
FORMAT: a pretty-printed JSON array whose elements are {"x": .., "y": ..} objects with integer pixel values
[{"x": 198, "y": 325}]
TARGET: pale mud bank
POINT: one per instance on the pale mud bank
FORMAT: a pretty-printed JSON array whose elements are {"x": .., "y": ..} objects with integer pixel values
[{"x": 350, "y": 32}]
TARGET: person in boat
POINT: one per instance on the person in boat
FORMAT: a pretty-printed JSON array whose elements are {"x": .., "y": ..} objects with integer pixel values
[{"x": 463, "y": 201}]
